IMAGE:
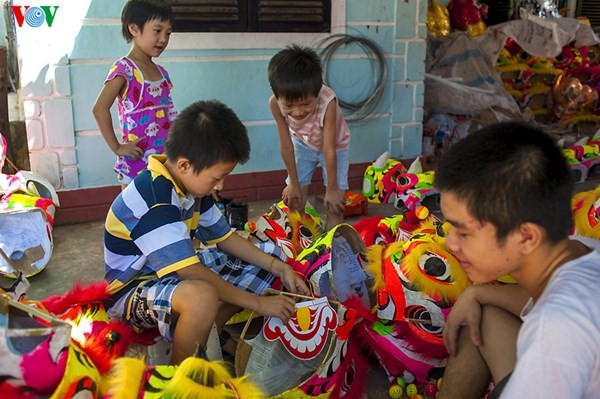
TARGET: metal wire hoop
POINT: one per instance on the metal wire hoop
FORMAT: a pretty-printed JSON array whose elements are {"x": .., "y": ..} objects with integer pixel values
[{"x": 360, "y": 109}]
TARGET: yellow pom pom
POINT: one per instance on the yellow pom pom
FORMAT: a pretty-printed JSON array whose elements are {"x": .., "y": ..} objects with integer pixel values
[
  {"x": 422, "y": 212},
  {"x": 250, "y": 227},
  {"x": 395, "y": 391},
  {"x": 411, "y": 390}
]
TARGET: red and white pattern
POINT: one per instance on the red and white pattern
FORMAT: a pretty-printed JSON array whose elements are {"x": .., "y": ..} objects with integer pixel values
[{"x": 305, "y": 334}]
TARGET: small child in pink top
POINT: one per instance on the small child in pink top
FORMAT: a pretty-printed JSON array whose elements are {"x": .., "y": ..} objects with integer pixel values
[
  {"x": 312, "y": 130},
  {"x": 141, "y": 87}
]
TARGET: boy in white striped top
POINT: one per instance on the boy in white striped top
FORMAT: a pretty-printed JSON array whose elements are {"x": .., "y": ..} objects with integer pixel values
[{"x": 312, "y": 130}]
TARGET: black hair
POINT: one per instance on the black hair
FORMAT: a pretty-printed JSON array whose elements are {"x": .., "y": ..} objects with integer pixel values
[
  {"x": 206, "y": 133},
  {"x": 295, "y": 72},
  {"x": 508, "y": 174},
  {"x": 138, "y": 12}
]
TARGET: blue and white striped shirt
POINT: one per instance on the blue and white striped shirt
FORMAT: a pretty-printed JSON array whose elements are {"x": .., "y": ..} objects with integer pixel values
[{"x": 150, "y": 225}]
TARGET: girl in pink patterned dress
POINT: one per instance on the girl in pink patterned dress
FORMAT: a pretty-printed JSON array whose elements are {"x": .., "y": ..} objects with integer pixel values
[{"x": 141, "y": 87}]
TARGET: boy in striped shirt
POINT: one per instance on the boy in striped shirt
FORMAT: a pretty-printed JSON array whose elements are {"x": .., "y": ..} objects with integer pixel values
[{"x": 157, "y": 277}]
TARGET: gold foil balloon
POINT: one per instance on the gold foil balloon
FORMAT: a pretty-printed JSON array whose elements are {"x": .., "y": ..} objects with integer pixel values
[
  {"x": 476, "y": 29},
  {"x": 570, "y": 96},
  {"x": 438, "y": 19}
]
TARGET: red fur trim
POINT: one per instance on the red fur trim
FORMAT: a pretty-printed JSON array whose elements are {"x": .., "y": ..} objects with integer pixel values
[
  {"x": 350, "y": 378},
  {"x": 79, "y": 294},
  {"x": 102, "y": 351},
  {"x": 8, "y": 391},
  {"x": 357, "y": 304},
  {"x": 146, "y": 337},
  {"x": 367, "y": 222},
  {"x": 367, "y": 228}
]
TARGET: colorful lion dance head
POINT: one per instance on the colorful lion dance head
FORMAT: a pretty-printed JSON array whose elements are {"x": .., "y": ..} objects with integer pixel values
[
  {"x": 586, "y": 213},
  {"x": 380, "y": 178},
  {"x": 417, "y": 282},
  {"x": 415, "y": 187},
  {"x": 291, "y": 231}
]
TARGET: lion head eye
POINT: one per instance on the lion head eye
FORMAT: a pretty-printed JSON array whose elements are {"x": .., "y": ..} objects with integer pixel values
[
  {"x": 435, "y": 266},
  {"x": 379, "y": 240},
  {"x": 406, "y": 181},
  {"x": 305, "y": 232},
  {"x": 402, "y": 181}
]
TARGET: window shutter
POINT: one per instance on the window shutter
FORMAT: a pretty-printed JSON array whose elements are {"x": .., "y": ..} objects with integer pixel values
[
  {"x": 252, "y": 15},
  {"x": 290, "y": 16},
  {"x": 498, "y": 11},
  {"x": 591, "y": 10},
  {"x": 210, "y": 15}
]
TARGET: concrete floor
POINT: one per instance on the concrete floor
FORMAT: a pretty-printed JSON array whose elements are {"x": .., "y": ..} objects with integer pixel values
[{"x": 78, "y": 256}]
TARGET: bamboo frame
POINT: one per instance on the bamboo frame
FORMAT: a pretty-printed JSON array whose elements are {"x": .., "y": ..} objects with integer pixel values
[{"x": 271, "y": 291}]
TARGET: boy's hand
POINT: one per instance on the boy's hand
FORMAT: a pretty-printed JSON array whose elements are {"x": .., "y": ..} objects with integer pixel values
[
  {"x": 335, "y": 200},
  {"x": 289, "y": 278},
  {"x": 130, "y": 149},
  {"x": 276, "y": 306},
  {"x": 292, "y": 197},
  {"x": 293, "y": 282}
]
